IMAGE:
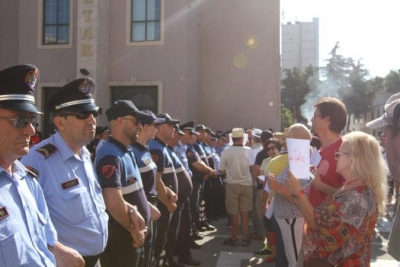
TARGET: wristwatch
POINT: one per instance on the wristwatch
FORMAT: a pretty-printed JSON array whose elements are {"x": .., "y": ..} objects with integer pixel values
[
  {"x": 133, "y": 209},
  {"x": 297, "y": 195}
]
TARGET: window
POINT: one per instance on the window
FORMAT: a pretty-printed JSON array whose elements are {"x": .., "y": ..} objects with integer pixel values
[
  {"x": 146, "y": 20},
  {"x": 56, "y": 22}
]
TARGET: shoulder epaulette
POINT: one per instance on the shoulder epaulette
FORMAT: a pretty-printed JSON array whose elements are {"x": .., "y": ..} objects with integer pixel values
[
  {"x": 32, "y": 171},
  {"x": 47, "y": 150}
]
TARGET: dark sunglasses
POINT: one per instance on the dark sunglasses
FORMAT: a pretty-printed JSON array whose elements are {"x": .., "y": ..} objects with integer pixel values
[
  {"x": 81, "y": 115},
  {"x": 271, "y": 148},
  {"x": 21, "y": 121}
]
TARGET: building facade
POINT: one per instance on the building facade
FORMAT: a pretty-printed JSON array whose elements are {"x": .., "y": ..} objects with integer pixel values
[
  {"x": 300, "y": 44},
  {"x": 216, "y": 62}
]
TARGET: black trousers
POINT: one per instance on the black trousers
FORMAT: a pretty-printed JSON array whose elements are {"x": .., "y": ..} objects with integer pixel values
[
  {"x": 195, "y": 198},
  {"x": 184, "y": 235},
  {"x": 173, "y": 229},
  {"x": 119, "y": 251},
  {"x": 162, "y": 228}
]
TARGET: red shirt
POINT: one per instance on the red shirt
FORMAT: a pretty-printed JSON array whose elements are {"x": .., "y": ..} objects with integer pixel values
[{"x": 327, "y": 172}]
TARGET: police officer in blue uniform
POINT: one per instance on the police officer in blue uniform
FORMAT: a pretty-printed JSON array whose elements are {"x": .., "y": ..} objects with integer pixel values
[
  {"x": 167, "y": 183},
  {"x": 65, "y": 171},
  {"x": 148, "y": 171},
  {"x": 122, "y": 185},
  {"x": 27, "y": 235}
]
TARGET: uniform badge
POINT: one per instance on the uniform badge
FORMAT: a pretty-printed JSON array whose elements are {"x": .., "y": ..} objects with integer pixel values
[
  {"x": 31, "y": 78},
  {"x": 70, "y": 184},
  {"x": 190, "y": 154},
  {"x": 155, "y": 158},
  {"x": 32, "y": 171},
  {"x": 107, "y": 170},
  {"x": 85, "y": 87},
  {"x": 3, "y": 213},
  {"x": 146, "y": 161},
  {"x": 47, "y": 150}
]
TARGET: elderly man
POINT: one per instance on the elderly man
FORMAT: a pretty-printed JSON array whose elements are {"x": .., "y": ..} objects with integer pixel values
[
  {"x": 390, "y": 122},
  {"x": 65, "y": 171},
  {"x": 28, "y": 237}
]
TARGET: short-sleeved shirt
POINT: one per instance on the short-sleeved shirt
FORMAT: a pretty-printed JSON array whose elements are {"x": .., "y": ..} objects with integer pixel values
[
  {"x": 180, "y": 150},
  {"x": 255, "y": 149},
  {"x": 198, "y": 146},
  {"x": 327, "y": 172},
  {"x": 209, "y": 157},
  {"x": 25, "y": 225},
  {"x": 165, "y": 166},
  {"x": 147, "y": 168},
  {"x": 72, "y": 193},
  {"x": 194, "y": 157},
  {"x": 185, "y": 185},
  {"x": 263, "y": 154},
  {"x": 116, "y": 168},
  {"x": 236, "y": 161}
]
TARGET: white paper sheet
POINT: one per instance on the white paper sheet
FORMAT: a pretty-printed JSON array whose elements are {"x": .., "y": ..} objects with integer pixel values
[
  {"x": 299, "y": 157},
  {"x": 315, "y": 158}
]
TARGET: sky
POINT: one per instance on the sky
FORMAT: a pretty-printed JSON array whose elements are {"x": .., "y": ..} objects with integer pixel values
[{"x": 366, "y": 29}]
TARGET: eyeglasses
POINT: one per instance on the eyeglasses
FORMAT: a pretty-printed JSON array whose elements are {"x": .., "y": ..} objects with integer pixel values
[
  {"x": 81, "y": 115},
  {"x": 136, "y": 122},
  {"x": 339, "y": 153},
  {"x": 271, "y": 148},
  {"x": 21, "y": 121}
]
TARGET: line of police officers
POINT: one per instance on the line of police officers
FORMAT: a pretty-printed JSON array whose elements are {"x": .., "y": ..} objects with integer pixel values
[{"x": 56, "y": 208}]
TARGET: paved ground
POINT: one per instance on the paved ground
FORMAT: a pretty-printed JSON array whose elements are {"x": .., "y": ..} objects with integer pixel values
[{"x": 214, "y": 253}]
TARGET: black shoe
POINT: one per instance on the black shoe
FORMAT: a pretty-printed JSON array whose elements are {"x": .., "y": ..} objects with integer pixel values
[
  {"x": 190, "y": 261},
  {"x": 194, "y": 245},
  {"x": 209, "y": 227},
  {"x": 201, "y": 229},
  {"x": 171, "y": 263},
  {"x": 197, "y": 236}
]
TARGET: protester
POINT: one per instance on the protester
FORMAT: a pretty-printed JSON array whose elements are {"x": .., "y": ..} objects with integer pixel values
[
  {"x": 235, "y": 160},
  {"x": 339, "y": 230}
]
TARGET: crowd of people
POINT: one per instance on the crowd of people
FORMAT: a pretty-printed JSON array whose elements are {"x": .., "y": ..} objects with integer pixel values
[{"x": 147, "y": 186}]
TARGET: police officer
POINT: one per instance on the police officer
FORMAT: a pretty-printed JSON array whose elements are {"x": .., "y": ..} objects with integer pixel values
[
  {"x": 167, "y": 183},
  {"x": 148, "y": 171},
  {"x": 65, "y": 171},
  {"x": 28, "y": 237},
  {"x": 122, "y": 185}
]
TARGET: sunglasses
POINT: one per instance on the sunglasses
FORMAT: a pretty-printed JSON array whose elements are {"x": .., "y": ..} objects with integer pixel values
[
  {"x": 21, "y": 121},
  {"x": 136, "y": 122},
  {"x": 339, "y": 153},
  {"x": 271, "y": 148},
  {"x": 81, "y": 115}
]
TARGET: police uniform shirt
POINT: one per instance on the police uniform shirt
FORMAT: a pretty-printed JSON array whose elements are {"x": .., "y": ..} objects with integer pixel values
[
  {"x": 193, "y": 157},
  {"x": 185, "y": 186},
  {"x": 216, "y": 158},
  {"x": 161, "y": 157},
  {"x": 200, "y": 150},
  {"x": 25, "y": 225},
  {"x": 72, "y": 193},
  {"x": 147, "y": 168},
  {"x": 209, "y": 158},
  {"x": 116, "y": 168},
  {"x": 219, "y": 149},
  {"x": 180, "y": 150}
]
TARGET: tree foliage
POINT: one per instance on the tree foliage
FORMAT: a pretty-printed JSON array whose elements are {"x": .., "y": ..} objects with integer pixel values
[
  {"x": 391, "y": 82},
  {"x": 286, "y": 118}
]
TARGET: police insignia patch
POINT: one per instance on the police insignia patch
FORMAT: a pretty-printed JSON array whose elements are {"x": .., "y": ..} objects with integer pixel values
[
  {"x": 155, "y": 158},
  {"x": 31, "y": 78},
  {"x": 85, "y": 87},
  {"x": 190, "y": 154},
  {"x": 47, "y": 150},
  {"x": 32, "y": 171},
  {"x": 107, "y": 171}
]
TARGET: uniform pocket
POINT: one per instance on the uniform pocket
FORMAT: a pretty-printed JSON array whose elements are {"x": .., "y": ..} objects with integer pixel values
[
  {"x": 12, "y": 247},
  {"x": 76, "y": 203}
]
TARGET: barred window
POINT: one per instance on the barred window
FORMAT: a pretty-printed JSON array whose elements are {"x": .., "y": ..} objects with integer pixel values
[
  {"x": 145, "y": 20},
  {"x": 56, "y": 22}
]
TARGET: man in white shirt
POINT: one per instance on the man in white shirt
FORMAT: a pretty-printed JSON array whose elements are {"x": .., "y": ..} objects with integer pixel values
[{"x": 235, "y": 160}]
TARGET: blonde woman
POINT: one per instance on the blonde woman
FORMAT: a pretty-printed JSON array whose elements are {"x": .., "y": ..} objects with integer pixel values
[{"x": 339, "y": 230}]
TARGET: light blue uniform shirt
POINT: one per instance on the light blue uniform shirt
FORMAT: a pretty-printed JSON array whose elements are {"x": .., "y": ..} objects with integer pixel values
[
  {"x": 25, "y": 225},
  {"x": 73, "y": 195},
  {"x": 180, "y": 150}
]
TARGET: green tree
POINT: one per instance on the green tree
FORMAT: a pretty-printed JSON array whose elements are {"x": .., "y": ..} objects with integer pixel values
[
  {"x": 391, "y": 82},
  {"x": 295, "y": 88},
  {"x": 286, "y": 118}
]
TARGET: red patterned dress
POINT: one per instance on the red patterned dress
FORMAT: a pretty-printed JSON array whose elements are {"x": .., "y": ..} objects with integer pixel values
[{"x": 345, "y": 222}]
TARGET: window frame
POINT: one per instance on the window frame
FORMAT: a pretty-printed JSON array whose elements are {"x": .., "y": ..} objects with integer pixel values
[
  {"x": 41, "y": 25},
  {"x": 130, "y": 22}
]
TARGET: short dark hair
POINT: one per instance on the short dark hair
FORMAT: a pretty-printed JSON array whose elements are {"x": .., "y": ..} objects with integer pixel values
[
  {"x": 336, "y": 111},
  {"x": 236, "y": 139}
]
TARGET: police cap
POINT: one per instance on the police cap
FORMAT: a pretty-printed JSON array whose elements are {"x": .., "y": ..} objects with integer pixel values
[
  {"x": 168, "y": 119},
  {"x": 151, "y": 119},
  {"x": 178, "y": 130},
  {"x": 74, "y": 96},
  {"x": 122, "y": 108},
  {"x": 189, "y": 126},
  {"x": 200, "y": 127},
  {"x": 17, "y": 84}
]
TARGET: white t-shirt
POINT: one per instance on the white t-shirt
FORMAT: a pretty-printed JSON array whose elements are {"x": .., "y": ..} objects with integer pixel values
[
  {"x": 236, "y": 161},
  {"x": 254, "y": 151}
]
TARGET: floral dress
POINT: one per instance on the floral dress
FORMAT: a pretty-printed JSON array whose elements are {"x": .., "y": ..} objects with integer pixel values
[{"x": 345, "y": 222}]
